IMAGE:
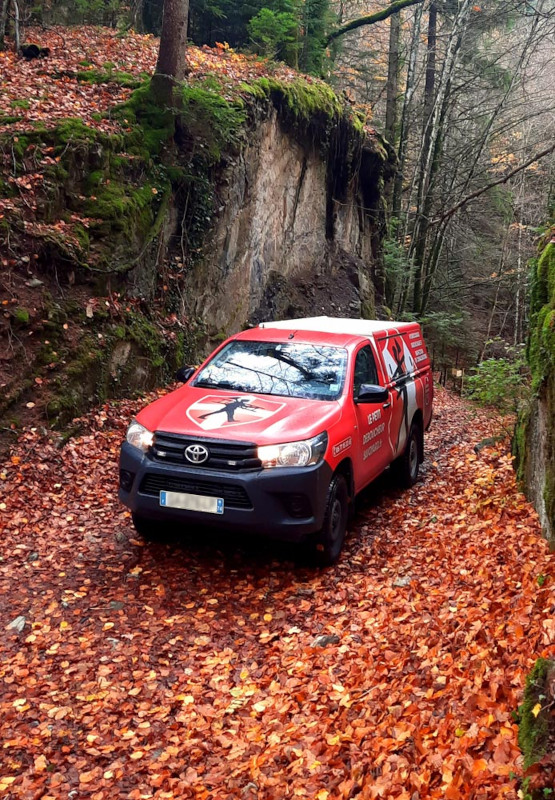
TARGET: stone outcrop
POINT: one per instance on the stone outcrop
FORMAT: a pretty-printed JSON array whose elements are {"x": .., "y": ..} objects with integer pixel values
[
  {"x": 283, "y": 244},
  {"x": 536, "y": 430}
]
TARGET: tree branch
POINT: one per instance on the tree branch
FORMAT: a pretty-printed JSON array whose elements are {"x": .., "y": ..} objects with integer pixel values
[
  {"x": 370, "y": 19},
  {"x": 484, "y": 189}
]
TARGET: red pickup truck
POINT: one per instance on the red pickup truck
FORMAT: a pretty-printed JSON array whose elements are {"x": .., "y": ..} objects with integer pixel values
[{"x": 280, "y": 428}]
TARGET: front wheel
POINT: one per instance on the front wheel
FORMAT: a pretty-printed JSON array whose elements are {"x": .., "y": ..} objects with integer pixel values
[
  {"x": 329, "y": 540},
  {"x": 147, "y": 528},
  {"x": 406, "y": 467}
]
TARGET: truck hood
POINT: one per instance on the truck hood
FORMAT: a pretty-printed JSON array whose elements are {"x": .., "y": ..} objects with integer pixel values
[{"x": 258, "y": 418}]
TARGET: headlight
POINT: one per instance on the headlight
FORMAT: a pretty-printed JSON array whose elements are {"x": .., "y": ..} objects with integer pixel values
[
  {"x": 139, "y": 436},
  {"x": 294, "y": 454}
]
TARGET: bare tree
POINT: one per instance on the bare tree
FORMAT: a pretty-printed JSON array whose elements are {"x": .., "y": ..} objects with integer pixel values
[
  {"x": 371, "y": 19},
  {"x": 476, "y": 125}
]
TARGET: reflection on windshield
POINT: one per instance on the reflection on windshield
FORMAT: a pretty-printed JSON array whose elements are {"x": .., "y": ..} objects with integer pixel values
[{"x": 294, "y": 369}]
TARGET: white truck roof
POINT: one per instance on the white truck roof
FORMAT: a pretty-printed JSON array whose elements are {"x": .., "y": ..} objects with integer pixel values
[{"x": 357, "y": 327}]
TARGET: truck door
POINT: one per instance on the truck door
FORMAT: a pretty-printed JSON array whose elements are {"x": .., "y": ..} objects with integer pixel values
[
  {"x": 372, "y": 453},
  {"x": 400, "y": 367}
]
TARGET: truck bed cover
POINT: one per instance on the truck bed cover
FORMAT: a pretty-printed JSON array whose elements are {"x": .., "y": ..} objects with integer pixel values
[{"x": 346, "y": 325}]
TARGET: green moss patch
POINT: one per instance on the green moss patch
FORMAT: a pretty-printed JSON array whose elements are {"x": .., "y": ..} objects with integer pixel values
[
  {"x": 109, "y": 76},
  {"x": 536, "y": 733},
  {"x": 533, "y": 731},
  {"x": 21, "y": 316},
  {"x": 306, "y": 106},
  {"x": 541, "y": 347},
  {"x": 150, "y": 126},
  {"x": 211, "y": 121},
  {"x": 20, "y": 104}
]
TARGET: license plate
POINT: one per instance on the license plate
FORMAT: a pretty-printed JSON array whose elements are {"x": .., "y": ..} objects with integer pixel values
[{"x": 192, "y": 502}]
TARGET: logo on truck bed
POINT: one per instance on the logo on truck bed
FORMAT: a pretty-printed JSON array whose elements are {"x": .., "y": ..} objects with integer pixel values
[
  {"x": 399, "y": 362},
  {"x": 214, "y": 411}
]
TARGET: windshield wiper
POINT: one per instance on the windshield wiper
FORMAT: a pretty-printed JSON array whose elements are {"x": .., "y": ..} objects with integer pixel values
[{"x": 219, "y": 385}]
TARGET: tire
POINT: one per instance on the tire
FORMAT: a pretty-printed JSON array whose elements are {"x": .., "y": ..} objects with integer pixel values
[
  {"x": 406, "y": 467},
  {"x": 329, "y": 540},
  {"x": 146, "y": 528}
]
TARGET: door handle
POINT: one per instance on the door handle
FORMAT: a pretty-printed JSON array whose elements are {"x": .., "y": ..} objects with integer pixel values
[{"x": 386, "y": 405}]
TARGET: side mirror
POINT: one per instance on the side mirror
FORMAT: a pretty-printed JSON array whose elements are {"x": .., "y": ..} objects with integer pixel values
[
  {"x": 369, "y": 393},
  {"x": 184, "y": 373}
]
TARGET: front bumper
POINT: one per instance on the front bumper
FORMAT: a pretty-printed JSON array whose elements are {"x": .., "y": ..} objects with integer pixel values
[{"x": 281, "y": 503}]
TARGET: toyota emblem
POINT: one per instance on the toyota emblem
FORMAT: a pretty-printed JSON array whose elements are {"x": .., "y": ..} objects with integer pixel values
[{"x": 196, "y": 454}]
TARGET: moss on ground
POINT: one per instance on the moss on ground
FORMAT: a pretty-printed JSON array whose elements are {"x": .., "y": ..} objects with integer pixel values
[
  {"x": 21, "y": 316},
  {"x": 109, "y": 199},
  {"x": 150, "y": 126},
  {"x": 111, "y": 76}
]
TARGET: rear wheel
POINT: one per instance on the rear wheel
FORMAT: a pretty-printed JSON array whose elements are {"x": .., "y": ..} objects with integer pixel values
[
  {"x": 329, "y": 540},
  {"x": 406, "y": 467}
]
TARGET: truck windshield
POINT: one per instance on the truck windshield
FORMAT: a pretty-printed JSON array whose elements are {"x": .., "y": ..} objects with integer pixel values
[{"x": 295, "y": 369}]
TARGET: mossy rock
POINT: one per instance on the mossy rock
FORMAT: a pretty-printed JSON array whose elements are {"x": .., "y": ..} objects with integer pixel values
[
  {"x": 123, "y": 197},
  {"x": 133, "y": 355},
  {"x": 536, "y": 732},
  {"x": 541, "y": 357},
  {"x": 533, "y": 730},
  {"x": 211, "y": 121}
]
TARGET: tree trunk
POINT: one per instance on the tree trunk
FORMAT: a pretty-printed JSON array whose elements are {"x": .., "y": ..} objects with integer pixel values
[
  {"x": 391, "y": 120},
  {"x": 432, "y": 140},
  {"x": 405, "y": 113},
  {"x": 3, "y": 20},
  {"x": 16, "y": 26},
  {"x": 423, "y": 184},
  {"x": 170, "y": 67},
  {"x": 392, "y": 78}
]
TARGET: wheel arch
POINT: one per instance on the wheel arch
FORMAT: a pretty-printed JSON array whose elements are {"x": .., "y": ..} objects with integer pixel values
[{"x": 345, "y": 468}]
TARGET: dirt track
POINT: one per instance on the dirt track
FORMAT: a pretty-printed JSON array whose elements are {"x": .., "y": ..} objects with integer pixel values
[{"x": 193, "y": 669}]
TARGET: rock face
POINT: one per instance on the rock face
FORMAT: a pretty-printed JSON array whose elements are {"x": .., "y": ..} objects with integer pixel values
[
  {"x": 282, "y": 244},
  {"x": 538, "y": 459},
  {"x": 536, "y": 432}
]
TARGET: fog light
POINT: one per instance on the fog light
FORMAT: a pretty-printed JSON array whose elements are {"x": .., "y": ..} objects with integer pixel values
[
  {"x": 298, "y": 505},
  {"x": 126, "y": 479}
]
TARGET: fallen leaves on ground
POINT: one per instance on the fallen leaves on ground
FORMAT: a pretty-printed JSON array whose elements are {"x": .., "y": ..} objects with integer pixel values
[
  {"x": 46, "y": 90},
  {"x": 82, "y": 78},
  {"x": 204, "y": 668}
]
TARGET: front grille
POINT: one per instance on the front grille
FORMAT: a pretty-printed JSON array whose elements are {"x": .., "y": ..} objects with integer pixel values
[
  {"x": 234, "y": 496},
  {"x": 169, "y": 448}
]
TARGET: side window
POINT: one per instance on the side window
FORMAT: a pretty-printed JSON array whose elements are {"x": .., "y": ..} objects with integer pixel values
[{"x": 365, "y": 368}]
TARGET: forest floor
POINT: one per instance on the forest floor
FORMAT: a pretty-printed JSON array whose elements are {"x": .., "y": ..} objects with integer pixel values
[{"x": 198, "y": 667}]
